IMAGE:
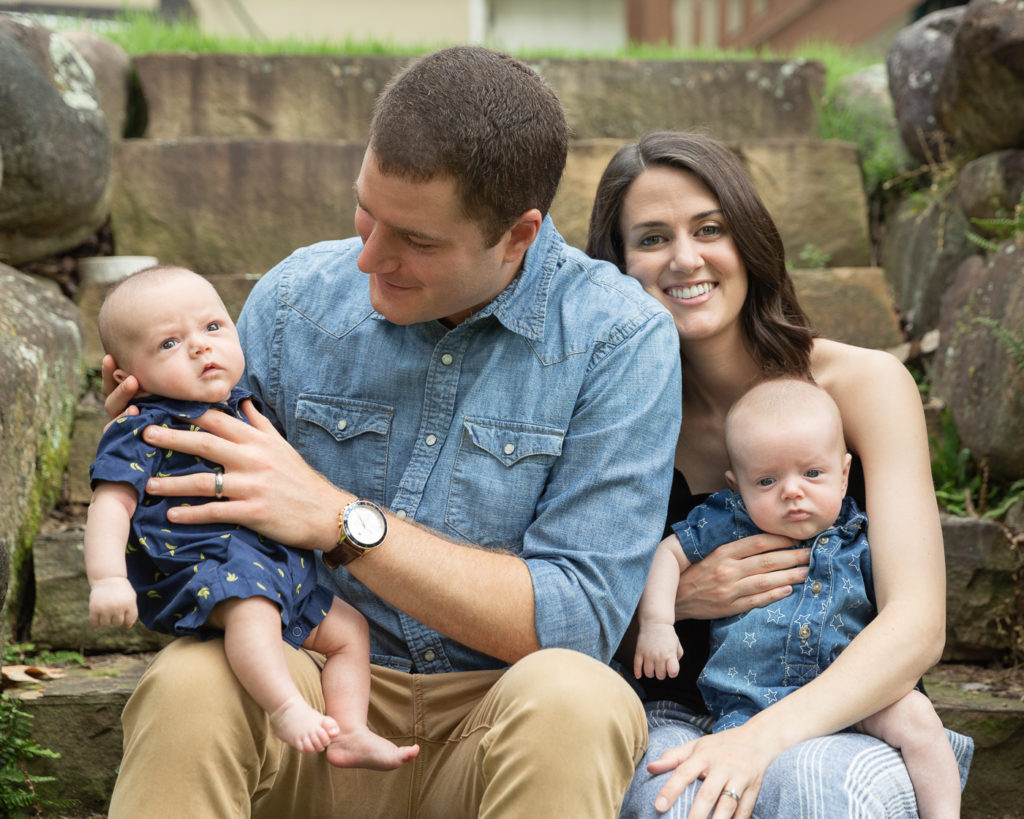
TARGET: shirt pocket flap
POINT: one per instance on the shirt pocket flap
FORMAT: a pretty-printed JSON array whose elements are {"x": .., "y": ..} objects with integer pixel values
[
  {"x": 342, "y": 418},
  {"x": 510, "y": 443}
]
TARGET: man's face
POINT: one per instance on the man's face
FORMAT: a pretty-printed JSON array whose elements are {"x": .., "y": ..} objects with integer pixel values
[{"x": 426, "y": 260}]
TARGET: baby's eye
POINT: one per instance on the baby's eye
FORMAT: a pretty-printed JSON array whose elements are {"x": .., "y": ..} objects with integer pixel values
[
  {"x": 167, "y": 344},
  {"x": 213, "y": 326},
  {"x": 765, "y": 482},
  {"x": 812, "y": 473}
]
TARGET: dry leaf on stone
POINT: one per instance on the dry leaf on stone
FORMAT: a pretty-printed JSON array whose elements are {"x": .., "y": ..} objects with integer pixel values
[{"x": 14, "y": 674}]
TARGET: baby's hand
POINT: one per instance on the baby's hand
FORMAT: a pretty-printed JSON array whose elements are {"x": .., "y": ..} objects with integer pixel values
[
  {"x": 112, "y": 602},
  {"x": 657, "y": 651}
]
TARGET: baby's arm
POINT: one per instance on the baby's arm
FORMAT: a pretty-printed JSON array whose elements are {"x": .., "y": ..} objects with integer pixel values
[
  {"x": 657, "y": 646},
  {"x": 111, "y": 596}
]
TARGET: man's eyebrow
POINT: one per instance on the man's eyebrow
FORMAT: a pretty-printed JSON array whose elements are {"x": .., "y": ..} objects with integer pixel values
[{"x": 404, "y": 231}]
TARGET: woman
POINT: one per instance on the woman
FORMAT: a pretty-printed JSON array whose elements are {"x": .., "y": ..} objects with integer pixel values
[{"x": 678, "y": 213}]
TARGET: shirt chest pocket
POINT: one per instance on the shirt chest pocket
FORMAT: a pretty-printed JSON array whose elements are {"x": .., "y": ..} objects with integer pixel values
[
  {"x": 347, "y": 441},
  {"x": 500, "y": 473}
]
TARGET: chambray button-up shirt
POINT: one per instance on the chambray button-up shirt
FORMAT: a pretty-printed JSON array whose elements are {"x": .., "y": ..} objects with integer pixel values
[{"x": 544, "y": 424}]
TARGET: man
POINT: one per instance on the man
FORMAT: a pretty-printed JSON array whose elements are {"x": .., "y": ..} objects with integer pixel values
[{"x": 508, "y": 402}]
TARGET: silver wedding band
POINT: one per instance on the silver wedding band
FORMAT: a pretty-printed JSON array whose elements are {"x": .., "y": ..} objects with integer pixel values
[
  {"x": 731, "y": 794},
  {"x": 218, "y": 484}
]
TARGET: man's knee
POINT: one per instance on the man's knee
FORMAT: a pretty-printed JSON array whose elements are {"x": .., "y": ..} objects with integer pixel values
[{"x": 562, "y": 690}]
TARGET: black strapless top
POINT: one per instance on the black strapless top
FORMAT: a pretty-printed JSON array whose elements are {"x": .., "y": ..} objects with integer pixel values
[{"x": 694, "y": 634}]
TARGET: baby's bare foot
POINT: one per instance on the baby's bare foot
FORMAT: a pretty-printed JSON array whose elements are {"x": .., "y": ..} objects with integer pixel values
[
  {"x": 364, "y": 749},
  {"x": 302, "y": 726}
]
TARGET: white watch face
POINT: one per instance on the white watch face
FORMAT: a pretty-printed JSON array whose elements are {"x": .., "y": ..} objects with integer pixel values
[{"x": 365, "y": 525}]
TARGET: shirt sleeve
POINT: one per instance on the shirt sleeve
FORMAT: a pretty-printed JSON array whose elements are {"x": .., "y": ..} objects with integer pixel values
[
  {"x": 601, "y": 516},
  {"x": 259, "y": 314}
]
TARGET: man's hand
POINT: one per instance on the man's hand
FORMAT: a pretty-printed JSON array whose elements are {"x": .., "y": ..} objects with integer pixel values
[
  {"x": 112, "y": 602},
  {"x": 267, "y": 486},
  {"x": 739, "y": 576},
  {"x": 118, "y": 395}
]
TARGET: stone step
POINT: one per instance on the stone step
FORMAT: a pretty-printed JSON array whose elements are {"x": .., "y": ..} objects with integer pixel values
[{"x": 78, "y": 716}]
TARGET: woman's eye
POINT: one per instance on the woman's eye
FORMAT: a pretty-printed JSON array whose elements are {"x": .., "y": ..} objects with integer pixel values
[
  {"x": 706, "y": 231},
  {"x": 650, "y": 241}
]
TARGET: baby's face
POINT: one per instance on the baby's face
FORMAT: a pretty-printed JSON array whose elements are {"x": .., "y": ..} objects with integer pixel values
[
  {"x": 792, "y": 475},
  {"x": 187, "y": 346}
]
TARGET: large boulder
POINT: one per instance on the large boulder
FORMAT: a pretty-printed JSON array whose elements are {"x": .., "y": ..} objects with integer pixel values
[
  {"x": 40, "y": 378},
  {"x": 981, "y": 565},
  {"x": 112, "y": 68},
  {"x": 923, "y": 243},
  {"x": 979, "y": 367},
  {"x": 979, "y": 97},
  {"x": 916, "y": 62},
  {"x": 55, "y": 189},
  {"x": 990, "y": 188},
  {"x": 864, "y": 97}
]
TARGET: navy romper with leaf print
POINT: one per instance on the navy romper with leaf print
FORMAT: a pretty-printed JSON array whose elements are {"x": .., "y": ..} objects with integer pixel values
[{"x": 180, "y": 572}]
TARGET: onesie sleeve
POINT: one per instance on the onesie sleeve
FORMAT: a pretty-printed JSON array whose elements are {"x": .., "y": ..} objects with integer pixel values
[
  {"x": 709, "y": 525},
  {"x": 123, "y": 457}
]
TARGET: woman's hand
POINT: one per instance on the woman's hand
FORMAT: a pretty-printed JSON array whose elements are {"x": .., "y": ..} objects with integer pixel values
[
  {"x": 730, "y": 762},
  {"x": 739, "y": 576},
  {"x": 267, "y": 486}
]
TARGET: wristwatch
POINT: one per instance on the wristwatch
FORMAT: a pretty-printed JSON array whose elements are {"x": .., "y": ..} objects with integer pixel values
[{"x": 361, "y": 528}]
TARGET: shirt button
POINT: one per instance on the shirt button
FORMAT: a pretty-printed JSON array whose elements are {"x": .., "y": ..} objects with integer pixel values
[
  {"x": 823, "y": 541},
  {"x": 804, "y": 632},
  {"x": 342, "y": 425},
  {"x": 816, "y": 586},
  {"x": 429, "y": 655},
  {"x": 509, "y": 449},
  {"x": 447, "y": 359},
  {"x": 401, "y": 514},
  {"x": 431, "y": 439}
]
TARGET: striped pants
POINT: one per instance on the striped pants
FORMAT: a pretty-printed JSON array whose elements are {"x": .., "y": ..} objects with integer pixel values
[{"x": 842, "y": 775}]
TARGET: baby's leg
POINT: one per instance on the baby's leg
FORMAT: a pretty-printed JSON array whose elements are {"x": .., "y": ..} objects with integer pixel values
[
  {"x": 255, "y": 651},
  {"x": 911, "y": 726},
  {"x": 344, "y": 638}
]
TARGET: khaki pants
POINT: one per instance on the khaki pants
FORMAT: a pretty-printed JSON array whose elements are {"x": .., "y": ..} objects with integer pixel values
[{"x": 556, "y": 735}]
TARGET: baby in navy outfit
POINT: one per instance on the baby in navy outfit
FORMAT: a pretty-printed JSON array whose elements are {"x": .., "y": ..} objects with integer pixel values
[{"x": 168, "y": 327}]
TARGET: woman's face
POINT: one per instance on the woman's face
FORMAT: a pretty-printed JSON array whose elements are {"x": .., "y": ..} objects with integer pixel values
[{"x": 678, "y": 246}]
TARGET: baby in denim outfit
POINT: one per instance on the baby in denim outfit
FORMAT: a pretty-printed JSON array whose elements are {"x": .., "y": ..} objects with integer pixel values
[
  {"x": 168, "y": 327},
  {"x": 789, "y": 477}
]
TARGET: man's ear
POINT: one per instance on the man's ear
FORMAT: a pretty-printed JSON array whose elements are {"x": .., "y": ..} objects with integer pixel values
[
  {"x": 521, "y": 235},
  {"x": 731, "y": 480}
]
